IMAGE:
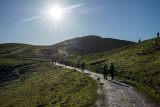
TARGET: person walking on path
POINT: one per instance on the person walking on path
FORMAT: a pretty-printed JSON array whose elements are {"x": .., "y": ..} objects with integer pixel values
[
  {"x": 83, "y": 66},
  {"x": 78, "y": 64},
  {"x": 52, "y": 60},
  {"x": 112, "y": 71},
  {"x": 158, "y": 34},
  {"x": 139, "y": 41},
  {"x": 105, "y": 71}
]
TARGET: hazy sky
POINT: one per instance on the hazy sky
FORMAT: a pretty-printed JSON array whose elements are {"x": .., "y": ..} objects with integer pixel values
[{"x": 27, "y": 21}]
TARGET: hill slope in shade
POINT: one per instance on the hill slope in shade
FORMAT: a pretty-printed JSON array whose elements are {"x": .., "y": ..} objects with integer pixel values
[
  {"x": 90, "y": 44},
  {"x": 137, "y": 62}
]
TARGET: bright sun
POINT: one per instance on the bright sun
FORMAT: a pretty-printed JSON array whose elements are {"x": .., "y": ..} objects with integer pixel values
[{"x": 56, "y": 12}]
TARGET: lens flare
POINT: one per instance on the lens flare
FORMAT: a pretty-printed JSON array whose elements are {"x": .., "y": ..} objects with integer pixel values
[{"x": 56, "y": 12}]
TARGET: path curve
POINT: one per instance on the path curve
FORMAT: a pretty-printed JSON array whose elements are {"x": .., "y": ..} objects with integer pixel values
[{"x": 117, "y": 93}]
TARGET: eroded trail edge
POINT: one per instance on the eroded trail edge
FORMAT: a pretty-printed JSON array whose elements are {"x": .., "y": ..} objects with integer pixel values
[{"x": 117, "y": 93}]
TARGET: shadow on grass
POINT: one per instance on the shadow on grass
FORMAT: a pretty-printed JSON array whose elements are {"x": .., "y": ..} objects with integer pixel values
[
  {"x": 101, "y": 83},
  {"x": 118, "y": 83},
  {"x": 87, "y": 74},
  {"x": 126, "y": 83}
]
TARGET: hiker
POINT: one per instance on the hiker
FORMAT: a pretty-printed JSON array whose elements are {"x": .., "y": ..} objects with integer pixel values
[
  {"x": 139, "y": 41},
  {"x": 55, "y": 61},
  {"x": 112, "y": 71},
  {"x": 158, "y": 34},
  {"x": 83, "y": 66},
  {"x": 105, "y": 71},
  {"x": 62, "y": 61},
  {"x": 52, "y": 60},
  {"x": 78, "y": 64}
]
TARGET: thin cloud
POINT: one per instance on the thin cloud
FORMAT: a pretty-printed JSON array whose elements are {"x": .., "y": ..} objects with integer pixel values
[
  {"x": 31, "y": 18},
  {"x": 75, "y": 6},
  {"x": 147, "y": 20}
]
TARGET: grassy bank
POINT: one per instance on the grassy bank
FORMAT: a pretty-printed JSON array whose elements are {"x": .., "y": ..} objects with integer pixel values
[
  {"x": 136, "y": 62},
  {"x": 147, "y": 93},
  {"x": 48, "y": 85}
]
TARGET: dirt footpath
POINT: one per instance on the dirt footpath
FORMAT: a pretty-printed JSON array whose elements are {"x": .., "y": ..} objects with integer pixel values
[{"x": 117, "y": 93}]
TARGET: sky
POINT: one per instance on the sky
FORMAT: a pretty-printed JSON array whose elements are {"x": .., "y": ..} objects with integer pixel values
[{"x": 29, "y": 21}]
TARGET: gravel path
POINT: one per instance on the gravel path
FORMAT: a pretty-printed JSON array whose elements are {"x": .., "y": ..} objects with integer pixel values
[{"x": 117, "y": 93}]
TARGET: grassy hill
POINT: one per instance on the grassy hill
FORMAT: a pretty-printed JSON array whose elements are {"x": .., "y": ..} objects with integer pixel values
[
  {"x": 90, "y": 44},
  {"x": 46, "y": 85},
  {"x": 24, "y": 51},
  {"x": 27, "y": 78},
  {"x": 13, "y": 55},
  {"x": 136, "y": 62}
]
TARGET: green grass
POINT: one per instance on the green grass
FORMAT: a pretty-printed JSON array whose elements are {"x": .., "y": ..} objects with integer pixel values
[
  {"x": 136, "y": 62},
  {"x": 8, "y": 62},
  {"x": 24, "y": 51},
  {"x": 48, "y": 85},
  {"x": 27, "y": 78}
]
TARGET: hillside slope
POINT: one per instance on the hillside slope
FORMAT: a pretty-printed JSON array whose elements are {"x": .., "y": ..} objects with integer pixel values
[
  {"x": 14, "y": 56},
  {"x": 27, "y": 78},
  {"x": 44, "y": 84},
  {"x": 136, "y": 62},
  {"x": 59, "y": 51}
]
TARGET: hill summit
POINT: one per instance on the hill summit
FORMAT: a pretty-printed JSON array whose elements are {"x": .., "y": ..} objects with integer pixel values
[{"x": 90, "y": 44}]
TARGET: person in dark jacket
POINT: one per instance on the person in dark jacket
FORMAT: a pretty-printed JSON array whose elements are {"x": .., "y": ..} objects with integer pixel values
[
  {"x": 158, "y": 34},
  {"x": 105, "y": 71},
  {"x": 83, "y": 66},
  {"x": 112, "y": 71},
  {"x": 139, "y": 41},
  {"x": 78, "y": 64}
]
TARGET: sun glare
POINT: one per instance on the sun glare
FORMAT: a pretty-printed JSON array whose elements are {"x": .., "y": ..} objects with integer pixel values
[{"x": 56, "y": 12}]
